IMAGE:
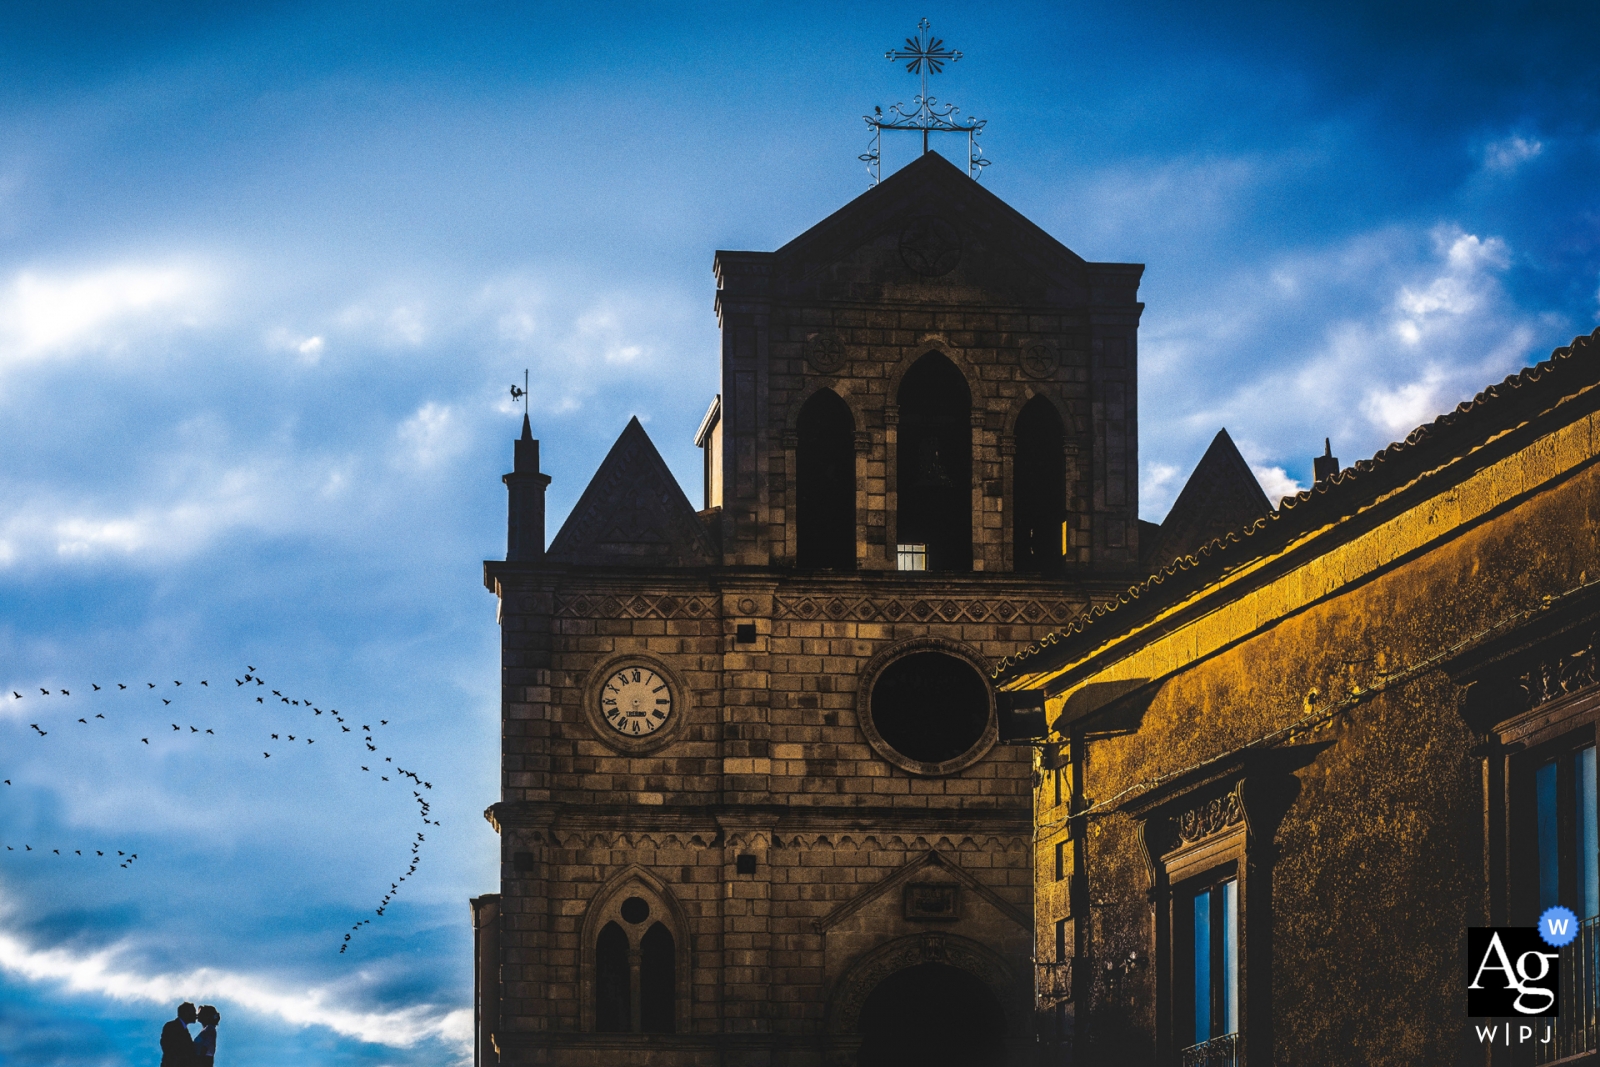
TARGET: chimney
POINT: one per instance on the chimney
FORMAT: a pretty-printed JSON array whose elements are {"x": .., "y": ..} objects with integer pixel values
[
  {"x": 1324, "y": 466},
  {"x": 525, "y": 506}
]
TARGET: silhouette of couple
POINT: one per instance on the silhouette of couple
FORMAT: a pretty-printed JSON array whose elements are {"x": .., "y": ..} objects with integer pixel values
[{"x": 178, "y": 1049}]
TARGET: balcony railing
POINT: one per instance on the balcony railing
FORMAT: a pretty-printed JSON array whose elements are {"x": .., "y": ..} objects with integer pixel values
[
  {"x": 1218, "y": 1052},
  {"x": 1577, "y": 1027}
]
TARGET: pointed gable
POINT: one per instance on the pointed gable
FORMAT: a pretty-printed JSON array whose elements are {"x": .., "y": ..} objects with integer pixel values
[
  {"x": 633, "y": 512},
  {"x": 1222, "y": 496},
  {"x": 871, "y": 248}
]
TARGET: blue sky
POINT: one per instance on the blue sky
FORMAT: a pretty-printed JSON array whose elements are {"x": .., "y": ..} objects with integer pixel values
[{"x": 267, "y": 270}]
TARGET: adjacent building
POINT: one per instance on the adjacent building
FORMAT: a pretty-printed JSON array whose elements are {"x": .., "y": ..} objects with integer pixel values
[{"x": 1287, "y": 771}]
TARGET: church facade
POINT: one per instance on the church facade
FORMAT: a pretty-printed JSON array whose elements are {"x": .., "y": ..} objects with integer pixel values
[{"x": 755, "y": 804}]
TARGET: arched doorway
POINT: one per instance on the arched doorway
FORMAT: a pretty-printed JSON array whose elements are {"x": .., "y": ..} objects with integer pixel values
[{"x": 932, "y": 1015}]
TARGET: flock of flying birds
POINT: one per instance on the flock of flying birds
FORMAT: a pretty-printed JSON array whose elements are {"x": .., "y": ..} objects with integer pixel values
[{"x": 334, "y": 727}]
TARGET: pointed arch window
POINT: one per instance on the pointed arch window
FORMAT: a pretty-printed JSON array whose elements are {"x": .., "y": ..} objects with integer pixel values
[
  {"x": 635, "y": 963},
  {"x": 825, "y": 493},
  {"x": 1039, "y": 479},
  {"x": 934, "y": 469}
]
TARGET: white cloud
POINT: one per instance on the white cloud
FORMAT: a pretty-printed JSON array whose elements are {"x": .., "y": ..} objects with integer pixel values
[
  {"x": 1158, "y": 487},
  {"x": 1275, "y": 482},
  {"x": 433, "y": 434},
  {"x": 106, "y": 973},
  {"x": 1460, "y": 290},
  {"x": 1401, "y": 408},
  {"x": 1511, "y": 153},
  {"x": 41, "y": 315},
  {"x": 308, "y": 347}
]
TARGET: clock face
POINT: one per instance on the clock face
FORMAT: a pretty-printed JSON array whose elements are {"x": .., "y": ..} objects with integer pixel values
[{"x": 635, "y": 700}]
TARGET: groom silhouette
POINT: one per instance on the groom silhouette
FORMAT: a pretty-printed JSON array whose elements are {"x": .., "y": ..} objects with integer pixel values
[{"x": 177, "y": 1047}]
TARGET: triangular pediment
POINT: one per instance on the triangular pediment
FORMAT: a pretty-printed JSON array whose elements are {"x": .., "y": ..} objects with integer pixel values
[
  {"x": 633, "y": 513},
  {"x": 1222, "y": 496},
  {"x": 929, "y": 226},
  {"x": 930, "y": 861}
]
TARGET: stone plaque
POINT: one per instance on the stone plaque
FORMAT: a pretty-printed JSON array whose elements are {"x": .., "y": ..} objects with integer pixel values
[{"x": 933, "y": 901}]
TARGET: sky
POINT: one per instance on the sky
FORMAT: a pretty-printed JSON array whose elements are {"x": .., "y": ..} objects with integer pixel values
[{"x": 267, "y": 271}]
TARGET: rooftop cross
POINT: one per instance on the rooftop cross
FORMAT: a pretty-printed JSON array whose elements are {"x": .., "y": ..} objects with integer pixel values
[{"x": 923, "y": 55}]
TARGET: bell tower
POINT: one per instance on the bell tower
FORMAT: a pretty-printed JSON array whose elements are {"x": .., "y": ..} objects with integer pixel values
[{"x": 755, "y": 806}]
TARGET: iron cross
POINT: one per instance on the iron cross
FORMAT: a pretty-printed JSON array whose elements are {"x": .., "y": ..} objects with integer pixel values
[{"x": 923, "y": 55}]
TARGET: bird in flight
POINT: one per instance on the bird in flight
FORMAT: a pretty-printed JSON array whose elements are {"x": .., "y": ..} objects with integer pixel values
[
  {"x": 164, "y": 700},
  {"x": 96, "y": 687},
  {"x": 152, "y": 685},
  {"x": 174, "y": 726},
  {"x": 121, "y": 686},
  {"x": 84, "y": 721},
  {"x": 266, "y": 755},
  {"x": 16, "y": 694},
  {"x": 99, "y": 716},
  {"x": 65, "y": 693},
  {"x": 46, "y": 692},
  {"x": 146, "y": 740},
  {"x": 177, "y": 683}
]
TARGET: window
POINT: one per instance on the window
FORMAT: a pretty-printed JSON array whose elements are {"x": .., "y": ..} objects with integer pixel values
[
  {"x": 934, "y": 465},
  {"x": 1211, "y": 895},
  {"x": 930, "y": 706},
  {"x": 1214, "y": 957},
  {"x": 1039, "y": 477},
  {"x": 635, "y": 972},
  {"x": 912, "y": 557},
  {"x": 825, "y": 496},
  {"x": 1568, "y": 837},
  {"x": 1541, "y": 706}
]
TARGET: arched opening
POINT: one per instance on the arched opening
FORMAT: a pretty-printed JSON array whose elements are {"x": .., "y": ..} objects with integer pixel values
[
  {"x": 825, "y": 496},
  {"x": 613, "y": 1004},
  {"x": 657, "y": 981},
  {"x": 930, "y": 706},
  {"x": 1039, "y": 477},
  {"x": 932, "y": 1015},
  {"x": 935, "y": 463}
]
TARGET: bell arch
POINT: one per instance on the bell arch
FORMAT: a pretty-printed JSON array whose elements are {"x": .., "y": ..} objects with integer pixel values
[
  {"x": 634, "y": 969},
  {"x": 1039, "y": 488},
  {"x": 825, "y": 483},
  {"x": 933, "y": 464}
]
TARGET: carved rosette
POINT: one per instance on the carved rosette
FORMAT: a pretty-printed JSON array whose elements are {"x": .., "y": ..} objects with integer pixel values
[{"x": 825, "y": 351}]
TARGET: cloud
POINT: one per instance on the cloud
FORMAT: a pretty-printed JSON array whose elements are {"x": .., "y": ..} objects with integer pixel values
[
  {"x": 433, "y": 435},
  {"x": 106, "y": 973},
  {"x": 1275, "y": 482},
  {"x": 1157, "y": 488},
  {"x": 43, "y": 315},
  {"x": 1509, "y": 154}
]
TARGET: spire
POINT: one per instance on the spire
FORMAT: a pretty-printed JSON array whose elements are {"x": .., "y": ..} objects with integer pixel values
[
  {"x": 1326, "y": 465},
  {"x": 525, "y": 500}
]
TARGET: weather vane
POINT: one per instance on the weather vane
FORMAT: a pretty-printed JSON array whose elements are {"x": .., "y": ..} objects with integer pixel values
[
  {"x": 923, "y": 55},
  {"x": 521, "y": 394}
]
